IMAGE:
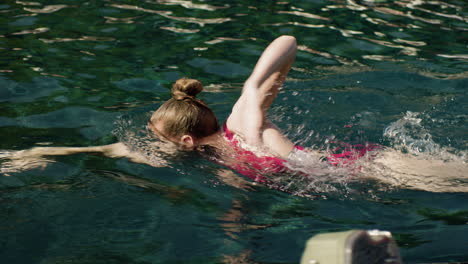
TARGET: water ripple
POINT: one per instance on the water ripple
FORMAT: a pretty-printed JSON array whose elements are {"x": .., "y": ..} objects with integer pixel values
[
  {"x": 137, "y": 8},
  {"x": 304, "y": 14},
  {"x": 327, "y": 55},
  {"x": 32, "y": 31},
  {"x": 28, "y": 3},
  {"x": 46, "y": 10},
  {"x": 200, "y": 21},
  {"x": 414, "y": 5},
  {"x": 191, "y": 5},
  {"x": 116, "y": 20},
  {"x": 83, "y": 38},
  {"x": 167, "y": 14},
  {"x": 180, "y": 30}
]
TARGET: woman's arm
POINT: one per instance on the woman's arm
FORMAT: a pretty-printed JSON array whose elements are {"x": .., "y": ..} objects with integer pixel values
[
  {"x": 116, "y": 150},
  {"x": 271, "y": 70},
  {"x": 15, "y": 161},
  {"x": 259, "y": 91}
]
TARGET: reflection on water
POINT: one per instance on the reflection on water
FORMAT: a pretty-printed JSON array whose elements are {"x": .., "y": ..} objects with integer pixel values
[
  {"x": 387, "y": 72},
  {"x": 378, "y": 30},
  {"x": 45, "y": 9},
  {"x": 83, "y": 38}
]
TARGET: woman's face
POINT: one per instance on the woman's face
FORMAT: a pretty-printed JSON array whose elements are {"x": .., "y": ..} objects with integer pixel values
[{"x": 185, "y": 142}]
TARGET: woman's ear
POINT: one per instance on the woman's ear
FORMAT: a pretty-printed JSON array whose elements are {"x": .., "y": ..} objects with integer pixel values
[{"x": 188, "y": 141}]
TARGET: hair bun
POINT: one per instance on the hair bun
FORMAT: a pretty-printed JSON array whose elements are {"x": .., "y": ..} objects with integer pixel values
[{"x": 186, "y": 88}]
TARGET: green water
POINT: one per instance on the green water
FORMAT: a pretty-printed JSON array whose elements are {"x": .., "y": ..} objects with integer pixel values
[{"x": 70, "y": 69}]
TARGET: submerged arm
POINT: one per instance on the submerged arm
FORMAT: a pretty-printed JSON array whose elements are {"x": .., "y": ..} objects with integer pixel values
[
  {"x": 116, "y": 150},
  {"x": 36, "y": 157}
]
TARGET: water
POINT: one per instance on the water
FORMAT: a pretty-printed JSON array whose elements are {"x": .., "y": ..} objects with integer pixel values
[{"x": 389, "y": 72}]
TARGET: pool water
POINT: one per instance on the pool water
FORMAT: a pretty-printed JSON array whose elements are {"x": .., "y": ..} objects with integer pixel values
[{"x": 390, "y": 72}]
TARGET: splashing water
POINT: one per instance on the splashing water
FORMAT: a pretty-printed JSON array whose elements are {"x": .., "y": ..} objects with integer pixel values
[
  {"x": 312, "y": 174},
  {"x": 414, "y": 160},
  {"x": 132, "y": 131},
  {"x": 409, "y": 135}
]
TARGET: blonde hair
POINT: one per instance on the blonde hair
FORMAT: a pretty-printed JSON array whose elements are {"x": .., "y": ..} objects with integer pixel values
[{"x": 185, "y": 114}]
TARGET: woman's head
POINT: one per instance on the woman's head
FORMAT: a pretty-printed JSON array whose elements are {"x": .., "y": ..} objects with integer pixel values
[{"x": 184, "y": 114}]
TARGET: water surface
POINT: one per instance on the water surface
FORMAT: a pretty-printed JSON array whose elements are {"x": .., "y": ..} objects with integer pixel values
[{"x": 70, "y": 69}]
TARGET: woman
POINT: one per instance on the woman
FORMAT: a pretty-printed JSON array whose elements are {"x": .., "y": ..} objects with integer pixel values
[
  {"x": 247, "y": 142},
  {"x": 250, "y": 144}
]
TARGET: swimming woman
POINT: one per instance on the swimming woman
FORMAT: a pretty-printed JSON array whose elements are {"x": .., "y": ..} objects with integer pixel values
[
  {"x": 248, "y": 142},
  {"x": 189, "y": 124}
]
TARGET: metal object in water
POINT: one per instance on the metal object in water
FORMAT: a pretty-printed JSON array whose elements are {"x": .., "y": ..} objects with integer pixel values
[{"x": 352, "y": 247}]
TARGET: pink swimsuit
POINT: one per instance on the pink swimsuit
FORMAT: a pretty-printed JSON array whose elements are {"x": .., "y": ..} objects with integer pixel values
[
  {"x": 251, "y": 165},
  {"x": 254, "y": 167}
]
